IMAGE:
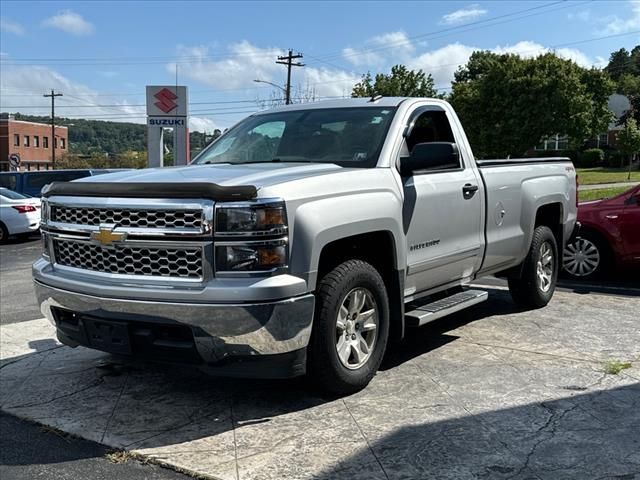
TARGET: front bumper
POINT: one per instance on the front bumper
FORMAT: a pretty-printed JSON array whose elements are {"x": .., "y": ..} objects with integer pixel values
[{"x": 237, "y": 339}]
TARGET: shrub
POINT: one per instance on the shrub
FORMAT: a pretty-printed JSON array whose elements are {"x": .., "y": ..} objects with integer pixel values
[
  {"x": 615, "y": 159},
  {"x": 591, "y": 157}
]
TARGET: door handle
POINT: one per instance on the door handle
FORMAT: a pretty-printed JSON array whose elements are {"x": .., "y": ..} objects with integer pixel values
[{"x": 468, "y": 190}]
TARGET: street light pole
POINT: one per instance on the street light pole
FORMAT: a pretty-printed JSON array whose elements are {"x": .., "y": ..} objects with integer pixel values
[{"x": 272, "y": 84}]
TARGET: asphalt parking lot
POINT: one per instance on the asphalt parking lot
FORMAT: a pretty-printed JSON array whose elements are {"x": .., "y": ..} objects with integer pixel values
[{"x": 493, "y": 392}]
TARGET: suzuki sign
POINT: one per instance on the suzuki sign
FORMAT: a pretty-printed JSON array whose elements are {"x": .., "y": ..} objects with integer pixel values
[{"x": 167, "y": 107}]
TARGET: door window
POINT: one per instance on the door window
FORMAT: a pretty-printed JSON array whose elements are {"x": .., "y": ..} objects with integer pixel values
[{"x": 432, "y": 126}]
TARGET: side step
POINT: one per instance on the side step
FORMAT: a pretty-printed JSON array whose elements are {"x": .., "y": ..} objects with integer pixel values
[{"x": 443, "y": 307}]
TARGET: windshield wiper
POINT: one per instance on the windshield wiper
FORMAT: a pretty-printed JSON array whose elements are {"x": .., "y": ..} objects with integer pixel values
[{"x": 273, "y": 160}]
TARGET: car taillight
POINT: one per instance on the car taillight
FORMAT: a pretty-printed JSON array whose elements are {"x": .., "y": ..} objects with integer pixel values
[
  {"x": 24, "y": 208},
  {"x": 577, "y": 185}
]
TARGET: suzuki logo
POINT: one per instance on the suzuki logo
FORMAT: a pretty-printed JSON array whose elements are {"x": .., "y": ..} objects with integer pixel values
[
  {"x": 105, "y": 235},
  {"x": 166, "y": 99}
]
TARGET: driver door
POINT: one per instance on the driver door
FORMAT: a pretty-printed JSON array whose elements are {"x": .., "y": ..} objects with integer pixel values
[{"x": 442, "y": 211}]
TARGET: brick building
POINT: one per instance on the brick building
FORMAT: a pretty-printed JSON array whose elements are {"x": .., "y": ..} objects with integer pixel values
[{"x": 32, "y": 141}]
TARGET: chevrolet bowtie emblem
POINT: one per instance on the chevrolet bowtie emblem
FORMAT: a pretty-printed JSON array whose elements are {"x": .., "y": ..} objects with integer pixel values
[{"x": 105, "y": 235}]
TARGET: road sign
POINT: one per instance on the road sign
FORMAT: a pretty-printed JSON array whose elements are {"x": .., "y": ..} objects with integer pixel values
[{"x": 14, "y": 161}]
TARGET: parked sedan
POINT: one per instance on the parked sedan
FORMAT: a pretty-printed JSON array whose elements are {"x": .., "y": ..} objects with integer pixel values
[
  {"x": 609, "y": 236},
  {"x": 19, "y": 214}
]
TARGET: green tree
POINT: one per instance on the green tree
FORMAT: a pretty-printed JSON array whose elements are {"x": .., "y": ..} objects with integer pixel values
[
  {"x": 508, "y": 103},
  {"x": 401, "y": 82},
  {"x": 622, "y": 62},
  {"x": 629, "y": 141}
]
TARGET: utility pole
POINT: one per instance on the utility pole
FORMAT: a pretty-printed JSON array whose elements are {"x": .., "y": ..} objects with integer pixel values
[
  {"x": 53, "y": 96},
  {"x": 288, "y": 61}
]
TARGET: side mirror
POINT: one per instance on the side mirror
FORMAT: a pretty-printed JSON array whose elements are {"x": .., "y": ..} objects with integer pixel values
[{"x": 430, "y": 156}]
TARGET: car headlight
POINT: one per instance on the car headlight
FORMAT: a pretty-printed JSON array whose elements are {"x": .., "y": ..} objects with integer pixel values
[
  {"x": 251, "y": 257},
  {"x": 260, "y": 219},
  {"x": 44, "y": 238},
  {"x": 251, "y": 237}
]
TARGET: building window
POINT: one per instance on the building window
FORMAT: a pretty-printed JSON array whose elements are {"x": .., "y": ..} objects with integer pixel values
[
  {"x": 36, "y": 141},
  {"x": 603, "y": 140},
  {"x": 45, "y": 142},
  {"x": 26, "y": 140},
  {"x": 63, "y": 143},
  {"x": 554, "y": 142},
  {"x": 562, "y": 142},
  {"x": 16, "y": 140},
  {"x": 55, "y": 142}
]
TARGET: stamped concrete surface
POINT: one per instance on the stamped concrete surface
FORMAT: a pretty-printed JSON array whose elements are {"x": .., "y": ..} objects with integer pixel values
[{"x": 489, "y": 393}]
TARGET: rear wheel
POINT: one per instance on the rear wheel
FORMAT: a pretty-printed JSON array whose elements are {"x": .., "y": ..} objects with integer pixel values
[
  {"x": 537, "y": 283},
  {"x": 351, "y": 327}
]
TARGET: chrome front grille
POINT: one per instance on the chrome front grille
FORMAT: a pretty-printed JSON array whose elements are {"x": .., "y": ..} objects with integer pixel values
[
  {"x": 160, "y": 240},
  {"x": 169, "y": 262},
  {"x": 128, "y": 217}
]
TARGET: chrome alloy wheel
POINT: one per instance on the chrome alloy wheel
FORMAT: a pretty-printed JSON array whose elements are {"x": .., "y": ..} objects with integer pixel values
[
  {"x": 356, "y": 328},
  {"x": 544, "y": 268},
  {"x": 581, "y": 257}
]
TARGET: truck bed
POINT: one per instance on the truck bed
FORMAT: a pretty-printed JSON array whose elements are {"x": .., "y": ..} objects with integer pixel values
[{"x": 514, "y": 190}]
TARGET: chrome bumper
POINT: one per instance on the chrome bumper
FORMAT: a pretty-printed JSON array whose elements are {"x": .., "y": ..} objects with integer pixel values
[{"x": 220, "y": 331}]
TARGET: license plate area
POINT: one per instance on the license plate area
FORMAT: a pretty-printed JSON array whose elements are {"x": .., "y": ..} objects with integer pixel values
[{"x": 107, "y": 335}]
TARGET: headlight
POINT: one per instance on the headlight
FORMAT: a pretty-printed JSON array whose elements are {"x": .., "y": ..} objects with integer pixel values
[
  {"x": 44, "y": 211},
  {"x": 251, "y": 257},
  {"x": 250, "y": 237},
  {"x": 45, "y": 244},
  {"x": 252, "y": 220}
]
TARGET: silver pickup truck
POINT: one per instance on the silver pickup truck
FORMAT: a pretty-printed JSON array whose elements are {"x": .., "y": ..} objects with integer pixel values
[{"x": 305, "y": 239}]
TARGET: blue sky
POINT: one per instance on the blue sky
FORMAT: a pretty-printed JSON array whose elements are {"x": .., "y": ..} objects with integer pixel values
[{"x": 100, "y": 55}]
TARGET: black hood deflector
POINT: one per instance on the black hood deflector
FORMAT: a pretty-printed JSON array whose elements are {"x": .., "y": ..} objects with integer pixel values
[{"x": 209, "y": 191}]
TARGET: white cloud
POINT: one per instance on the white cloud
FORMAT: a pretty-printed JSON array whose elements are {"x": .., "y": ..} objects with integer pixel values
[
  {"x": 528, "y": 49},
  {"x": 464, "y": 15},
  {"x": 26, "y": 84},
  {"x": 9, "y": 26},
  {"x": 616, "y": 24},
  {"x": 246, "y": 63},
  {"x": 329, "y": 82},
  {"x": 376, "y": 49},
  {"x": 201, "y": 124},
  {"x": 443, "y": 62},
  {"x": 70, "y": 22}
]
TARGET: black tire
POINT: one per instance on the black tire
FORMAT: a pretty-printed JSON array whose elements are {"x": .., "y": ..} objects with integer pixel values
[
  {"x": 4, "y": 233},
  {"x": 587, "y": 240},
  {"x": 527, "y": 291},
  {"x": 325, "y": 368}
]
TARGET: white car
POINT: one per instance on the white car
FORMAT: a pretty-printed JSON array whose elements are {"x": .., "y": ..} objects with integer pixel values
[{"x": 19, "y": 214}]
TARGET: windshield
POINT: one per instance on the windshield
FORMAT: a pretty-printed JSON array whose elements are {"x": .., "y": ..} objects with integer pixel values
[
  {"x": 350, "y": 137},
  {"x": 5, "y": 192}
]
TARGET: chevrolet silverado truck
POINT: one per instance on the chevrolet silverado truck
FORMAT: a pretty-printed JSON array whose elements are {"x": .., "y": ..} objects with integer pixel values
[{"x": 304, "y": 240}]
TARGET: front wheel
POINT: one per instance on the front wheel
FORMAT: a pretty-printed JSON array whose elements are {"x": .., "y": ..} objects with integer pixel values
[
  {"x": 585, "y": 257},
  {"x": 4, "y": 233},
  {"x": 537, "y": 282},
  {"x": 350, "y": 328}
]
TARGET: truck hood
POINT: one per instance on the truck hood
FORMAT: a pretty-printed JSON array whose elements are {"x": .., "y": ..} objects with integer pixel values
[{"x": 256, "y": 174}]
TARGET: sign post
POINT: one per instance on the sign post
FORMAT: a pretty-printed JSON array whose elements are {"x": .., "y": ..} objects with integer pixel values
[
  {"x": 167, "y": 107},
  {"x": 14, "y": 162}
]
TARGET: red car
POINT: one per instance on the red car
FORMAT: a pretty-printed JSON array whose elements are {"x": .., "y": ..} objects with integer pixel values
[{"x": 609, "y": 236}]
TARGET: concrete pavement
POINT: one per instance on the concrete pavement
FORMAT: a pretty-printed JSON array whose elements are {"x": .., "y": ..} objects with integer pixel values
[{"x": 490, "y": 393}]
